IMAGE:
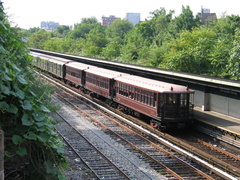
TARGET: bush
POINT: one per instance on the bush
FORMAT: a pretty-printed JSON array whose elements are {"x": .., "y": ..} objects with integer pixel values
[{"x": 31, "y": 143}]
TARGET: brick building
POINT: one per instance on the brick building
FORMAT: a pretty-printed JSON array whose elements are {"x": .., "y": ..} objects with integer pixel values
[
  {"x": 107, "y": 21},
  {"x": 207, "y": 17}
]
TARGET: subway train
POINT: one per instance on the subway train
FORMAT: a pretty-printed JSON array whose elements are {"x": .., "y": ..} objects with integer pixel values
[{"x": 166, "y": 105}]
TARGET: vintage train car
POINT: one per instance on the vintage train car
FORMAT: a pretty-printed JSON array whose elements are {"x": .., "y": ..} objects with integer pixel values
[
  {"x": 39, "y": 62},
  {"x": 167, "y": 104},
  {"x": 75, "y": 74},
  {"x": 54, "y": 66},
  {"x": 100, "y": 81}
]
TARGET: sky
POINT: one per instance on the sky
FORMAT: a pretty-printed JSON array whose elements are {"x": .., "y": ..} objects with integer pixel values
[{"x": 29, "y": 13}]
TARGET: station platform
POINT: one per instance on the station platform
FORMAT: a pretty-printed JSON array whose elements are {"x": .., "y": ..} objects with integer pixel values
[{"x": 221, "y": 121}]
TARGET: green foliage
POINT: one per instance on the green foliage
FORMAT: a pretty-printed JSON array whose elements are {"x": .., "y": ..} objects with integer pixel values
[
  {"x": 190, "y": 52},
  {"x": 132, "y": 48},
  {"x": 186, "y": 20},
  {"x": 160, "y": 24},
  {"x": 113, "y": 48},
  {"x": 82, "y": 29},
  {"x": 179, "y": 43},
  {"x": 95, "y": 42},
  {"x": 118, "y": 28},
  {"x": 64, "y": 45},
  {"x": 38, "y": 39},
  {"x": 62, "y": 31},
  {"x": 31, "y": 141},
  {"x": 227, "y": 25},
  {"x": 233, "y": 65}
]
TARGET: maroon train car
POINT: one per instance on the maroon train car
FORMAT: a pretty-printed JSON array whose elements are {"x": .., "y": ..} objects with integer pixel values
[
  {"x": 167, "y": 104},
  {"x": 75, "y": 73},
  {"x": 100, "y": 81}
]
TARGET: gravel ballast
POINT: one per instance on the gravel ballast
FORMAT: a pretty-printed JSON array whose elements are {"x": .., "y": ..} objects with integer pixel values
[{"x": 116, "y": 152}]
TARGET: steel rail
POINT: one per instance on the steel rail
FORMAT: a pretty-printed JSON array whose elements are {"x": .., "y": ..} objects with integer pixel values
[
  {"x": 100, "y": 176},
  {"x": 203, "y": 175},
  {"x": 175, "y": 144}
]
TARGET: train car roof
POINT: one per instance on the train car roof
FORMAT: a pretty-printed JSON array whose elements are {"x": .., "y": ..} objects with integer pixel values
[
  {"x": 153, "y": 85},
  {"x": 56, "y": 60},
  {"x": 79, "y": 66},
  {"x": 105, "y": 72}
]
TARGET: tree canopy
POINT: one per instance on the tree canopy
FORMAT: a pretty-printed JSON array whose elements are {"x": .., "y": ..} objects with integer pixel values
[{"x": 181, "y": 43}]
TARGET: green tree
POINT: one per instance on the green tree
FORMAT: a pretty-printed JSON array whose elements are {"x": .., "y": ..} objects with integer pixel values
[
  {"x": 82, "y": 29},
  {"x": 113, "y": 48},
  {"x": 220, "y": 55},
  {"x": 133, "y": 44},
  {"x": 233, "y": 66},
  {"x": 146, "y": 30},
  {"x": 38, "y": 39},
  {"x": 61, "y": 31},
  {"x": 227, "y": 25},
  {"x": 160, "y": 25},
  {"x": 31, "y": 143},
  {"x": 119, "y": 28},
  {"x": 191, "y": 51},
  {"x": 34, "y": 29},
  {"x": 95, "y": 42},
  {"x": 186, "y": 20},
  {"x": 52, "y": 45},
  {"x": 225, "y": 28}
]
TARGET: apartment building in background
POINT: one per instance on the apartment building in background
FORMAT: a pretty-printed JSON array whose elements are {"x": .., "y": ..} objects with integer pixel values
[
  {"x": 206, "y": 17},
  {"x": 133, "y": 17},
  {"x": 49, "y": 25},
  {"x": 107, "y": 21}
]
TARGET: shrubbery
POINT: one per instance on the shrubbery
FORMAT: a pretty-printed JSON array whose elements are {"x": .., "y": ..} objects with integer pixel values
[{"x": 32, "y": 147}]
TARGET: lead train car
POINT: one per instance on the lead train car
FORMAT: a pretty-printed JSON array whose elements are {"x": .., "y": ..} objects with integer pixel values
[{"x": 167, "y": 104}]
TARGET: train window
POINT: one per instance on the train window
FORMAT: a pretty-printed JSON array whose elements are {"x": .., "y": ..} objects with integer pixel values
[
  {"x": 143, "y": 96},
  {"x": 97, "y": 81},
  {"x": 146, "y": 97},
  {"x": 162, "y": 99},
  {"x": 150, "y": 100},
  {"x": 171, "y": 98},
  {"x": 132, "y": 92},
  {"x": 126, "y": 90},
  {"x": 102, "y": 82},
  {"x": 138, "y": 97},
  {"x": 183, "y": 99},
  {"x": 154, "y": 99},
  {"x": 121, "y": 88}
]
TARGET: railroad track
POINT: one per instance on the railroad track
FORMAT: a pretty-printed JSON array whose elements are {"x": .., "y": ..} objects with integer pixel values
[
  {"x": 223, "y": 157},
  {"x": 193, "y": 150},
  {"x": 157, "y": 157},
  {"x": 103, "y": 143},
  {"x": 96, "y": 161}
]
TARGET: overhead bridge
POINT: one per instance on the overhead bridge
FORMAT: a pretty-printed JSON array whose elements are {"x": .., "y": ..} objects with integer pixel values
[{"x": 211, "y": 93}]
